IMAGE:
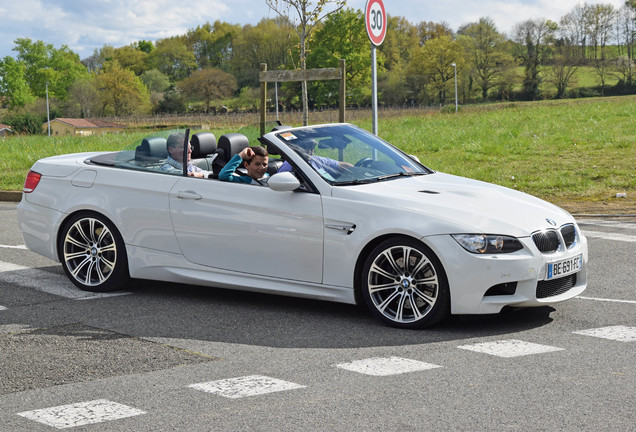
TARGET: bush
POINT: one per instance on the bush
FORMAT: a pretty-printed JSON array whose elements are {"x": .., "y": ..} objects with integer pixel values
[
  {"x": 449, "y": 109},
  {"x": 27, "y": 123}
]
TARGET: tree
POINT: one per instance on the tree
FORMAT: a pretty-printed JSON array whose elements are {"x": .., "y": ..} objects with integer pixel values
[
  {"x": 157, "y": 83},
  {"x": 144, "y": 46},
  {"x": 625, "y": 68},
  {"x": 626, "y": 27},
  {"x": 573, "y": 26},
  {"x": 94, "y": 63},
  {"x": 343, "y": 36},
  {"x": 488, "y": 54},
  {"x": 533, "y": 39},
  {"x": 599, "y": 19},
  {"x": 13, "y": 84},
  {"x": 131, "y": 58},
  {"x": 304, "y": 19},
  {"x": 173, "y": 58},
  {"x": 209, "y": 84},
  {"x": 563, "y": 66},
  {"x": 213, "y": 45},
  {"x": 602, "y": 68},
  {"x": 428, "y": 30},
  {"x": 399, "y": 43},
  {"x": 270, "y": 41},
  {"x": 45, "y": 64},
  {"x": 83, "y": 100},
  {"x": 434, "y": 62},
  {"x": 121, "y": 91}
]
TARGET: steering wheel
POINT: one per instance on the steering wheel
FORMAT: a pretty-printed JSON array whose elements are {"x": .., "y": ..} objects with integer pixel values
[{"x": 364, "y": 162}]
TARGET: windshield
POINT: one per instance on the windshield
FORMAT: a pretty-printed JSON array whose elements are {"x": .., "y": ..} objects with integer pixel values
[{"x": 345, "y": 155}]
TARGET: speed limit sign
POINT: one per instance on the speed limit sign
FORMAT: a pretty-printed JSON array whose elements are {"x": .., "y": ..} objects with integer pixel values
[{"x": 375, "y": 18}]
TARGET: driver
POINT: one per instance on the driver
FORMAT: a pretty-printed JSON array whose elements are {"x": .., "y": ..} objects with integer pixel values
[{"x": 320, "y": 163}]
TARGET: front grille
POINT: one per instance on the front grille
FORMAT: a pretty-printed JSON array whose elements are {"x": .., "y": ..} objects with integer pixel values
[
  {"x": 546, "y": 241},
  {"x": 569, "y": 235},
  {"x": 550, "y": 288}
]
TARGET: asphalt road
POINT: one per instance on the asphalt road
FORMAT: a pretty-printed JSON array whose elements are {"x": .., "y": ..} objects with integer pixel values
[{"x": 162, "y": 357}]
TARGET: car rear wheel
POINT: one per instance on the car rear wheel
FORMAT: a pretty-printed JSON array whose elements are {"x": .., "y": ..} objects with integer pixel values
[
  {"x": 93, "y": 254},
  {"x": 404, "y": 284}
]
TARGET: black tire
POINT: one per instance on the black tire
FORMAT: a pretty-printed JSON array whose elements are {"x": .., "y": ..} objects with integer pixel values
[
  {"x": 93, "y": 253},
  {"x": 404, "y": 285}
]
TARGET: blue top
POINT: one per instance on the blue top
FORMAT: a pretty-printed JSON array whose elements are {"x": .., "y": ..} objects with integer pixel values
[
  {"x": 227, "y": 173},
  {"x": 321, "y": 164}
]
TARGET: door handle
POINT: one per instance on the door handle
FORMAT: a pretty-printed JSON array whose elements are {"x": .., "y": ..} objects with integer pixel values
[{"x": 188, "y": 195}]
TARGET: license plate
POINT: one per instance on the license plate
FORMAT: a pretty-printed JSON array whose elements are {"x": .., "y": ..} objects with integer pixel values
[{"x": 566, "y": 267}]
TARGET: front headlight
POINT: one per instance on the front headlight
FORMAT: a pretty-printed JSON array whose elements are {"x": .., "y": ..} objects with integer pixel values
[{"x": 488, "y": 243}]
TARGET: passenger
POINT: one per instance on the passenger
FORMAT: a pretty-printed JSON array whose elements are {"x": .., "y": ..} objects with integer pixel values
[
  {"x": 255, "y": 160},
  {"x": 320, "y": 163},
  {"x": 174, "y": 162}
]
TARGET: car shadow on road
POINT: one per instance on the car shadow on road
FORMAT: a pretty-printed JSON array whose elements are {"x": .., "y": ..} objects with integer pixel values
[{"x": 191, "y": 312}]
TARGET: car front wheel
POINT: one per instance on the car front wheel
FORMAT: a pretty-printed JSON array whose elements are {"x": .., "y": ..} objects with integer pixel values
[
  {"x": 404, "y": 284},
  {"x": 93, "y": 254}
]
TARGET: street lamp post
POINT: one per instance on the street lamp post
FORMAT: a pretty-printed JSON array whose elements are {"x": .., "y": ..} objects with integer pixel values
[
  {"x": 48, "y": 118},
  {"x": 454, "y": 65}
]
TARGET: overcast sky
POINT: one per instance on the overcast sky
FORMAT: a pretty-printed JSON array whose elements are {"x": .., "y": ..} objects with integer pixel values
[{"x": 85, "y": 25}]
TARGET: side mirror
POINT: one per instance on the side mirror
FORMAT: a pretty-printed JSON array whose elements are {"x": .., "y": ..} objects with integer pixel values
[
  {"x": 283, "y": 182},
  {"x": 415, "y": 158}
]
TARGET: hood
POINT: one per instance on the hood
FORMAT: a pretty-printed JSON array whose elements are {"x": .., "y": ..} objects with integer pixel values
[{"x": 462, "y": 205}]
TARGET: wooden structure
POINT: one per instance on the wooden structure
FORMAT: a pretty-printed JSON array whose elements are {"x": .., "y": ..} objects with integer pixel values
[{"x": 277, "y": 76}]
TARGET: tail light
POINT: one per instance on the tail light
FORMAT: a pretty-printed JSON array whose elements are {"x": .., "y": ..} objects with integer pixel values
[{"x": 31, "y": 182}]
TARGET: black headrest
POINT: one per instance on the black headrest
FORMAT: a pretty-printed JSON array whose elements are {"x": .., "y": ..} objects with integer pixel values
[
  {"x": 203, "y": 144},
  {"x": 231, "y": 144},
  {"x": 151, "y": 147}
]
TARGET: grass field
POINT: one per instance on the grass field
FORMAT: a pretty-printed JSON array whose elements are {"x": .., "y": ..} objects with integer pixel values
[{"x": 580, "y": 150}]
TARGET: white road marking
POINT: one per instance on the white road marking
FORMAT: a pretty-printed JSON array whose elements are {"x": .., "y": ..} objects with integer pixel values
[
  {"x": 13, "y": 246},
  {"x": 2, "y": 307},
  {"x": 6, "y": 267},
  {"x": 618, "y": 333},
  {"x": 379, "y": 366},
  {"x": 80, "y": 414},
  {"x": 605, "y": 300},
  {"x": 610, "y": 236},
  {"x": 47, "y": 282},
  {"x": 510, "y": 348},
  {"x": 252, "y": 385},
  {"x": 15, "y": 328}
]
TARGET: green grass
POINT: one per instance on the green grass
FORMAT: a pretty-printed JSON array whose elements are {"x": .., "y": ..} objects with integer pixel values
[{"x": 574, "y": 150}]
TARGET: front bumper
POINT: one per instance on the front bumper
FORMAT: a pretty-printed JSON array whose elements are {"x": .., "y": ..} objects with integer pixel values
[{"x": 471, "y": 277}]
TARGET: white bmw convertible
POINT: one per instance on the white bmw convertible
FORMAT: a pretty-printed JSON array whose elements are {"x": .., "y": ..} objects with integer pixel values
[{"x": 351, "y": 219}]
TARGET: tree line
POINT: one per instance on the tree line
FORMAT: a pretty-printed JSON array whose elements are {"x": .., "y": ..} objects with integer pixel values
[{"x": 215, "y": 67}]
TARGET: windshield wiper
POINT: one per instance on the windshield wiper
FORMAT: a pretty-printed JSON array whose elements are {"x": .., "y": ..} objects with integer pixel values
[
  {"x": 356, "y": 182},
  {"x": 400, "y": 174}
]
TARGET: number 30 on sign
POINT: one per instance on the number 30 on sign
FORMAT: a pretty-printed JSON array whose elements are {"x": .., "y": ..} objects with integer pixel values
[{"x": 375, "y": 18}]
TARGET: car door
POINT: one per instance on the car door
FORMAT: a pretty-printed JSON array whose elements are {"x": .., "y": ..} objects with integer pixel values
[{"x": 249, "y": 228}]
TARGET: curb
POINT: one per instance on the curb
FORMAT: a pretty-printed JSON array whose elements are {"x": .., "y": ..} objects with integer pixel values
[{"x": 11, "y": 196}]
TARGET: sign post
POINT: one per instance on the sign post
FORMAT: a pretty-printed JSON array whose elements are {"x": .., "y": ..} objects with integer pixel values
[{"x": 376, "y": 21}]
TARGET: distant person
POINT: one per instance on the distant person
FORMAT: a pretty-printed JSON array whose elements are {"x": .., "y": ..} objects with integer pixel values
[
  {"x": 254, "y": 159},
  {"x": 174, "y": 162},
  {"x": 323, "y": 165}
]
